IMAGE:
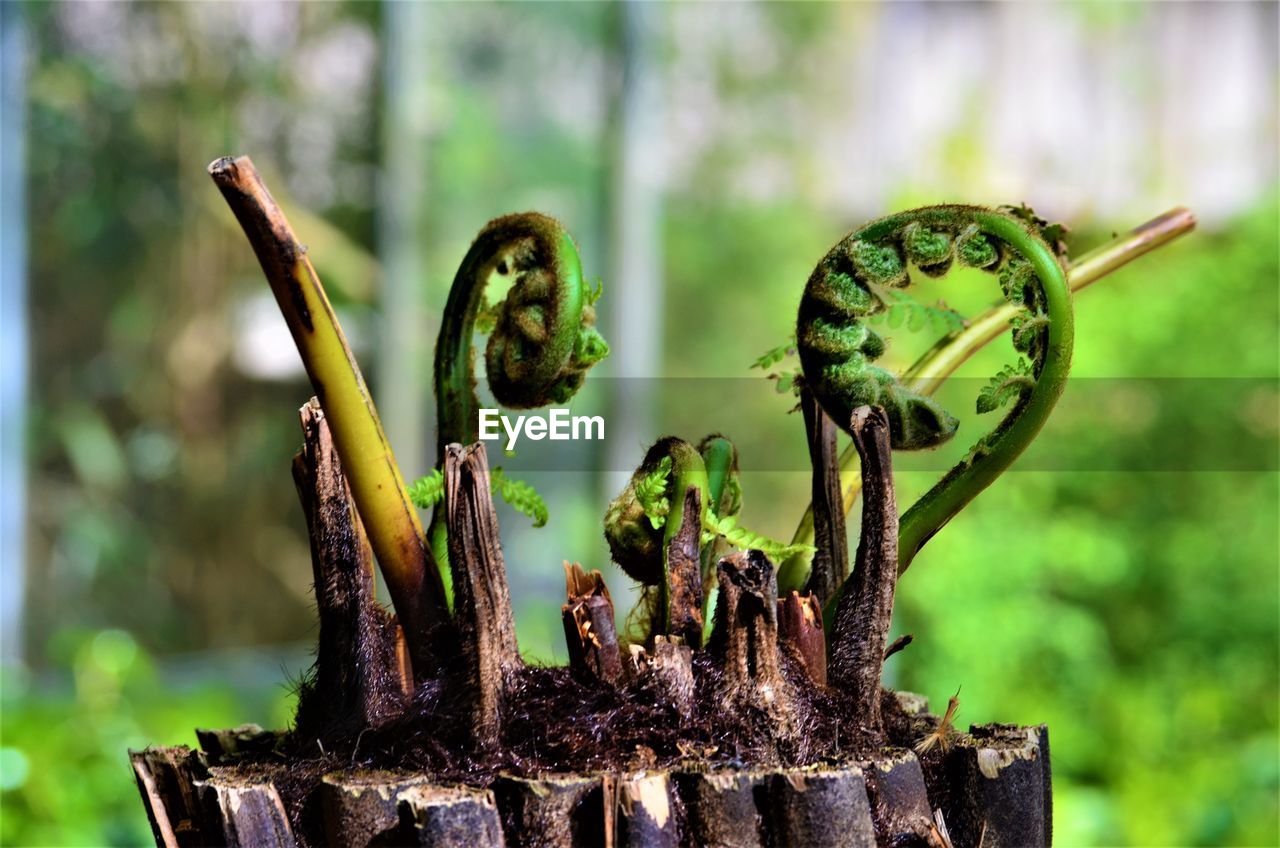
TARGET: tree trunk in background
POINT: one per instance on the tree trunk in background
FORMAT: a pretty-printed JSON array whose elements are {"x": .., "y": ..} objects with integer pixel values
[
  {"x": 13, "y": 329},
  {"x": 403, "y": 379},
  {"x": 634, "y": 283}
]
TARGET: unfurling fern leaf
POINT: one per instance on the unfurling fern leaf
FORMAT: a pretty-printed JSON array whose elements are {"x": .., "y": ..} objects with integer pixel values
[
  {"x": 520, "y": 495},
  {"x": 775, "y": 355},
  {"x": 426, "y": 492},
  {"x": 1028, "y": 330},
  {"x": 740, "y": 537},
  {"x": 901, "y": 308},
  {"x": 651, "y": 493},
  {"x": 1012, "y": 382}
]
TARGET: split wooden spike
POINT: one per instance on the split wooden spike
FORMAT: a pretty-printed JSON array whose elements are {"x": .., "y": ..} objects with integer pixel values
[
  {"x": 746, "y": 640},
  {"x": 800, "y": 630},
  {"x": 358, "y": 678},
  {"x": 684, "y": 573},
  {"x": 866, "y": 604},
  {"x": 831, "y": 559},
  {"x": 665, "y": 671},
  {"x": 482, "y": 601},
  {"x": 589, "y": 627}
]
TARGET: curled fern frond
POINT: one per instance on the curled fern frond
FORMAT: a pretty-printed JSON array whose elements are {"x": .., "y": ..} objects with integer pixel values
[
  {"x": 520, "y": 495},
  {"x": 858, "y": 282},
  {"x": 1013, "y": 381},
  {"x": 640, "y": 520},
  {"x": 543, "y": 337}
]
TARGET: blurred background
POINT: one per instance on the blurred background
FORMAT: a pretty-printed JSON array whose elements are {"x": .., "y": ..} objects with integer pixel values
[{"x": 1121, "y": 584}]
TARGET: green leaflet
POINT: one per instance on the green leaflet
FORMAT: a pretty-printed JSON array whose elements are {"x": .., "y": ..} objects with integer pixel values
[
  {"x": 785, "y": 382},
  {"x": 520, "y": 495},
  {"x": 651, "y": 494},
  {"x": 775, "y": 355},
  {"x": 426, "y": 492},
  {"x": 1012, "y": 382},
  {"x": 741, "y": 537},
  {"x": 903, "y": 308}
]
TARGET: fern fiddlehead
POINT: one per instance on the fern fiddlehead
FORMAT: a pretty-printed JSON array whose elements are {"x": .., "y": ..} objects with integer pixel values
[
  {"x": 837, "y": 349},
  {"x": 646, "y": 515},
  {"x": 542, "y": 336},
  {"x": 543, "y": 339},
  {"x": 643, "y": 519}
]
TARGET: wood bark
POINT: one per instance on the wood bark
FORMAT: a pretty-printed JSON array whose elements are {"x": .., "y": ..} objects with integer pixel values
[
  {"x": 589, "y": 628},
  {"x": 723, "y": 808},
  {"x": 249, "y": 811},
  {"x": 666, "y": 671},
  {"x": 449, "y": 817},
  {"x": 997, "y": 796},
  {"x": 360, "y": 808},
  {"x": 800, "y": 630},
  {"x": 822, "y": 806},
  {"x": 226, "y": 746},
  {"x": 684, "y": 573},
  {"x": 555, "y": 811},
  {"x": 357, "y": 677},
  {"x": 167, "y": 781},
  {"x": 746, "y": 640},
  {"x": 831, "y": 559},
  {"x": 482, "y": 601},
  {"x": 643, "y": 811},
  {"x": 865, "y": 608},
  {"x": 899, "y": 800}
]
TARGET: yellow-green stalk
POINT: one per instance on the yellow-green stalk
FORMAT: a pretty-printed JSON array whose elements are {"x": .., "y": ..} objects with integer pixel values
[{"x": 376, "y": 485}]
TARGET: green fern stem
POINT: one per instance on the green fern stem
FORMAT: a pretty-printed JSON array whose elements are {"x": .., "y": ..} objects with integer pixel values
[
  {"x": 724, "y": 495},
  {"x": 1021, "y": 426},
  {"x": 543, "y": 340},
  {"x": 935, "y": 366},
  {"x": 836, "y": 349}
]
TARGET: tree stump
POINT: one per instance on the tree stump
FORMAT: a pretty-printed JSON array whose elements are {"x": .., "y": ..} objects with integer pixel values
[{"x": 738, "y": 743}]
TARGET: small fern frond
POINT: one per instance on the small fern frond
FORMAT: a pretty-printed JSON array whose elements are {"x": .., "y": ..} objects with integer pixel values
[
  {"x": 426, "y": 492},
  {"x": 651, "y": 493},
  {"x": 594, "y": 294},
  {"x": 901, "y": 308},
  {"x": 520, "y": 495},
  {"x": 1010, "y": 383},
  {"x": 744, "y": 539},
  {"x": 775, "y": 355},
  {"x": 1027, "y": 330}
]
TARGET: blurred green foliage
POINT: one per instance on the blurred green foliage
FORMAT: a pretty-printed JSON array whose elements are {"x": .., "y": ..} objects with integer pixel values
[
  {"x": 64, "y": 778},
  {"x": 1134, "y": 611}
]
